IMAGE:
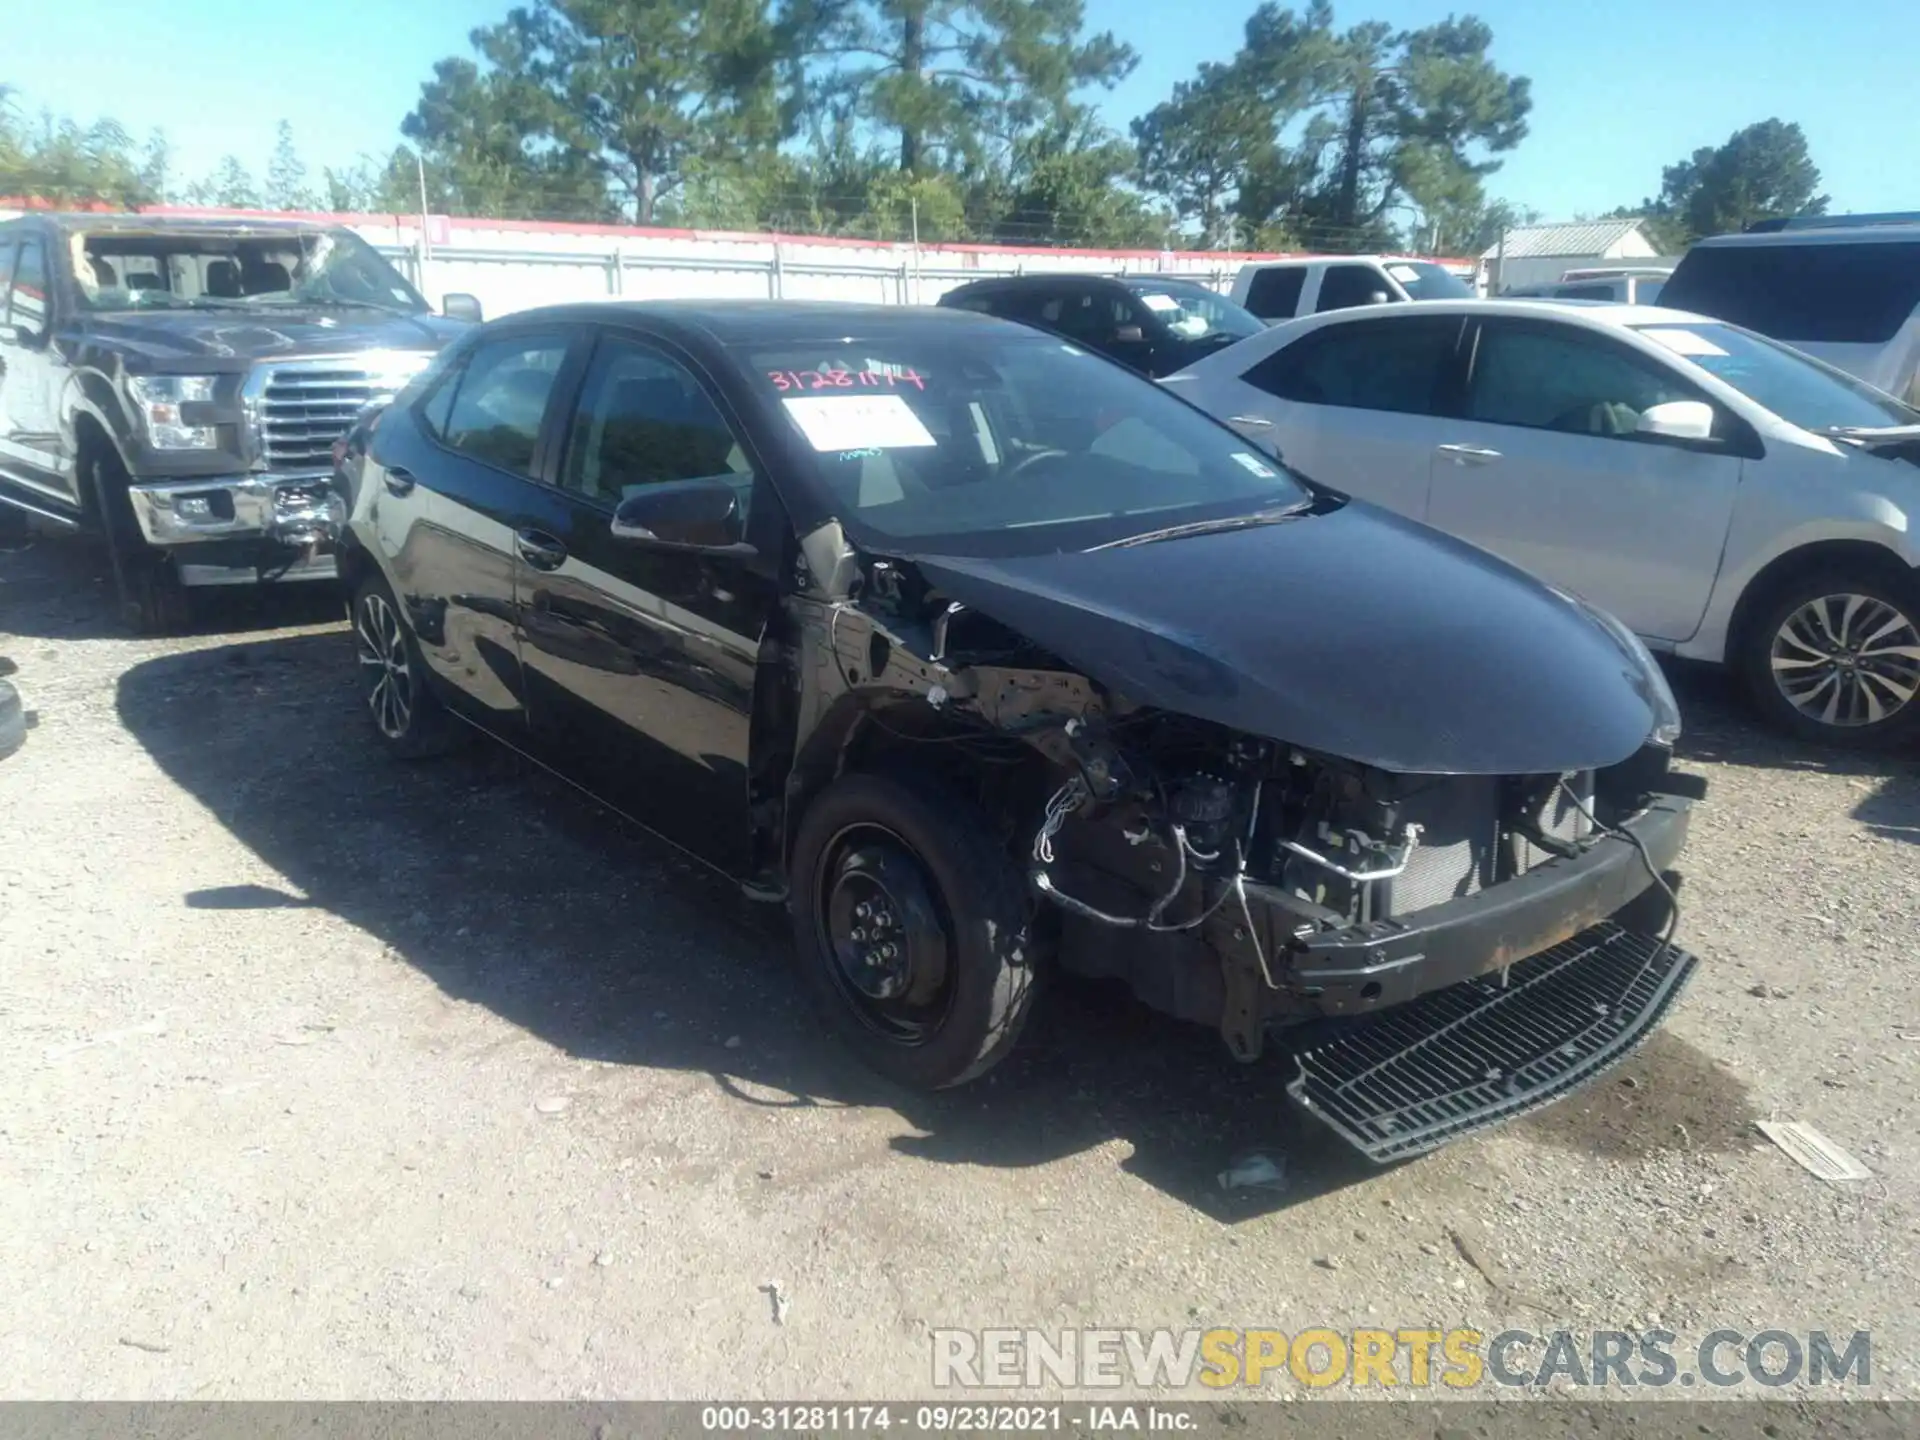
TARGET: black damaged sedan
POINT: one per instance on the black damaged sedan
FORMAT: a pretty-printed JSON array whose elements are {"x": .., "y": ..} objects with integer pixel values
[{"x": 987, "y": 658}]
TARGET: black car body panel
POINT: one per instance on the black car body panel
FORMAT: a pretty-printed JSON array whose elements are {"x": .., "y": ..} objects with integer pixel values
[
  {"x": 1271, "y": 630},
  {"x": 1318, "y": 764}
]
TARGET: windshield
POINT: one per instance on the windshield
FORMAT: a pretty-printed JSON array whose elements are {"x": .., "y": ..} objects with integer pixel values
[
  {"x": 131, "y": 270},
  {"x": 1423, "y": 280},
  {"x": 1796, "y": 387},
  {"x": 995, "y": 441},
  {"x": 1195, "y": 313}
]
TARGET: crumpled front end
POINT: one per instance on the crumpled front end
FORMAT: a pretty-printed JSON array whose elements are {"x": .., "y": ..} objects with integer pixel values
[{"x": 1439, "y": 950}]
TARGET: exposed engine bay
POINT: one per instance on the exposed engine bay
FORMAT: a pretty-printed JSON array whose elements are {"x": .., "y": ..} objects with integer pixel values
[{"x": 1232, "y": 879}]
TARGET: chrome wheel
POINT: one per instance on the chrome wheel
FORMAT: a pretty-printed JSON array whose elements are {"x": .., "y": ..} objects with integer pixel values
[
  {"x": 1847, "y": 660},
  {"x": 383, "y": 658}
]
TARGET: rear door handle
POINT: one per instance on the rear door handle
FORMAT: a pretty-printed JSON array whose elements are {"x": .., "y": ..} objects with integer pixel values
[
  {"x": 1469, "y": 454},
  {"x": 399, "y": 480},
  {"x": 539, "y": 549}
]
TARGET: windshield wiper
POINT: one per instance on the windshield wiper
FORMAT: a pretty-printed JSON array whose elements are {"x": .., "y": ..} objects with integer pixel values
[
  {"x": 1872, "y": 437},
  {"x": 1211, "y": 527}
]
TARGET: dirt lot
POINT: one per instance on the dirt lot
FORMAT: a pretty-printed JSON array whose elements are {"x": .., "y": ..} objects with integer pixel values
[{"x": 331, "y": 1077}]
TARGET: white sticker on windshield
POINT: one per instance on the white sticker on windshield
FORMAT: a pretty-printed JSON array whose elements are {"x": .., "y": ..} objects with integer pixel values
[
  {"x": 1683, "y": 342},
  {"x": 1254, "y": 463},
  {"x": 1160, "y": 304},
  {"x": 1405, "y": 274},
  {"x": 858, "y": 422}
]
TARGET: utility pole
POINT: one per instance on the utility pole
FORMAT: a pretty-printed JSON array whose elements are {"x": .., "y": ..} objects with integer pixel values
[
  {"x": 426, "y": 251},
  {"x": 913, "y": 205}
]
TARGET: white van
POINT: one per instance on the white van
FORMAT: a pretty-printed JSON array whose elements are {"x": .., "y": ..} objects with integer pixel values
[
  {"x": 1845, "y": 290},
  {"x": 1277, "y": 290}
]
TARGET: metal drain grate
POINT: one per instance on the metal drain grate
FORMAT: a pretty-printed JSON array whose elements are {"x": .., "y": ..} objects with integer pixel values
[{"x": 1411, "y": 1078}]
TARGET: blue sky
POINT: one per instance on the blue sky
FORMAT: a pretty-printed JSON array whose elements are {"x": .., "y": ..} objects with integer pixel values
[{"x": 1619, "y": 90}]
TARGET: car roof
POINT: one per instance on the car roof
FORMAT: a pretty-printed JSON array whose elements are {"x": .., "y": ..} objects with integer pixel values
[
  {"x": 72, "y": 221},
  {"x": 1842, "y": 235},
  {"x": 1045, "y": 277},
  {"x": 1602, "y": 313},
  {"x": 730, "y": 322},
  {"x": 1288, "y": 262}
]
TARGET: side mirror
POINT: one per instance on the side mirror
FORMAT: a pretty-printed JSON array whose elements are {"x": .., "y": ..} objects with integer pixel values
[
  {"x": 1379, "y": 297},
  {"x": 699, "y": 514},
  {"x": 1677, "y": 420},
  {"x": 461, "y": 307}
]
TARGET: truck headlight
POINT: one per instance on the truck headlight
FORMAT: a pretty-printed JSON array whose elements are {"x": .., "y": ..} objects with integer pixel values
[{"x": 161, "y": 399}]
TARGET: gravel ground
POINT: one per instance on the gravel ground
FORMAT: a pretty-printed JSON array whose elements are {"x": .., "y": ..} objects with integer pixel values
[{"x": 335, "y": 1078}]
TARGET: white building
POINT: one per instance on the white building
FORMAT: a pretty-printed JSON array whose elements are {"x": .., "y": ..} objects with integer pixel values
[{"x": 1541, "y": 254}]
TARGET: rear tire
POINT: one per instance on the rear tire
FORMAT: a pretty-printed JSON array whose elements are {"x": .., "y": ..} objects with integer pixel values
[
  {"x": 912, "y": 928},
  {"x": 406, "y": 714},
  {"x": 1834, "y": 655}
]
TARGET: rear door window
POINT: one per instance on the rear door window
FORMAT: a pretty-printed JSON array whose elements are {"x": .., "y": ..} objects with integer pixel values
[
  {"x": 1399, "y": 365},
  {"x": 1344, "y": 286},
  {"x": 1835, "y": 294},
  {"x": 1275, "y": 293},
  {"x": 1595, "y": 291},
  {"x": 501, "y": 401}
]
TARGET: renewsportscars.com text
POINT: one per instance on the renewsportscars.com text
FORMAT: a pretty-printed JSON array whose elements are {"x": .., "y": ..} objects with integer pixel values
[{"x": 1415, "y": 1358}]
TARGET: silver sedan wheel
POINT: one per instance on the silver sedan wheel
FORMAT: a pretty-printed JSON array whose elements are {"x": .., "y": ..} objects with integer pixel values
[
  {"x": 383, "y": 660},
  {"x": 1847, "y": 660}
]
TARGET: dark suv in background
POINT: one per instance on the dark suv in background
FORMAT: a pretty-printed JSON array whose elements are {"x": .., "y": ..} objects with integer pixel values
[
  {"x": 176, "y": 387},
  {"x": 1155, "y": 324}
]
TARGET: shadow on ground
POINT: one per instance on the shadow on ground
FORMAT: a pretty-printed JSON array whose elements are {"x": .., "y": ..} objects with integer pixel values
[
  {"x": 1721, "y": 730},
  {"x": 60, "y": 587},
  {"x": 510, "y": 890}
]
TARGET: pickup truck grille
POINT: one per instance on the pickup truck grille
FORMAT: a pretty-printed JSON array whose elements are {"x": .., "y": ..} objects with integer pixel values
[{"x": 305, "y": 407}]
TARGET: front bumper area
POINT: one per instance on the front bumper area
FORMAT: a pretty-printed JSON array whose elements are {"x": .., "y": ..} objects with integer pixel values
[
  {"x": 1390, "y": 962},
  {"x": 288, "y": 510},
  {"x": 1482, "y": 1052}
]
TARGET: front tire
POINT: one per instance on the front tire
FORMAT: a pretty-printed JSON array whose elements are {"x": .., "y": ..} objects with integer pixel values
[
  {"x": 1834, "y": 656},
  {"x": 912, "y": 928},
  {"x": 152, "y": 599},
  {"x": 406, "y": 714}
]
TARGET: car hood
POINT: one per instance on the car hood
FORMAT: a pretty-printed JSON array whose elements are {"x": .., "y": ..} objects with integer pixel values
[
  {"x": 166, "y": 337},
  {"x": 1354, "y": 633}
]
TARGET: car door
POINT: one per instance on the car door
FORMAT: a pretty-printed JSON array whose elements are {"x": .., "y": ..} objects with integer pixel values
[
  {"x": 452, "y": 483},
  {"x": 640, "y": 661},
  {"x": 30, "y": 449},
  {"x": 1544, "y": 467},
  {"x": 1355, "y": 405}
]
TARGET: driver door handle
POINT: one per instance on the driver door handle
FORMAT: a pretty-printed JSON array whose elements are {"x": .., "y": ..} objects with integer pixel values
[
  {"x": 539, "y": 549},
  {"x": 398, "y": 480},
  {"x": 1469, "y": 454},
  {"x": 1250, "y": 422}
]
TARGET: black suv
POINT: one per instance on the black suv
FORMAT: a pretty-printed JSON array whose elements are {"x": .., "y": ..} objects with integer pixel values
[
  {"x": 1155, "y": 324},
  {"x": 176, "y": 386}
]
